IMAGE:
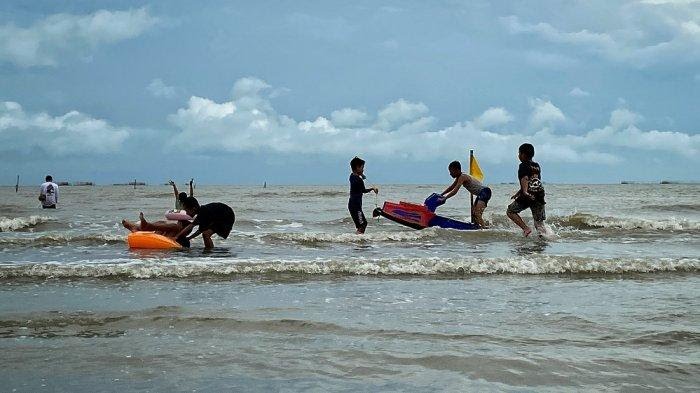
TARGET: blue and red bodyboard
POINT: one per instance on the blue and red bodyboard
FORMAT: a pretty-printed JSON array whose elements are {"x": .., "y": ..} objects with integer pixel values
[{"x": 422, "y": 216}]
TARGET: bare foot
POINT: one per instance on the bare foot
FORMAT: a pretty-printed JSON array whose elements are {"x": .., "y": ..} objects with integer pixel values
[
  {"x": 130, "y": 226},
  {"x": 143, "y": 220},
  {"x": 527, "y": 232}
]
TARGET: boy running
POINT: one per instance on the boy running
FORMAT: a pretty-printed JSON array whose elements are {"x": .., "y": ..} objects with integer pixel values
[{"x": 531, "y": 193}]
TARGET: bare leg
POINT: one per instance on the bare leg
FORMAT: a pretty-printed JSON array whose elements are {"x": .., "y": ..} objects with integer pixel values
[
  {"x": 479, "y": 208},
  {"x": 206, "y": 236},
  {"x": 130, "y": 226},
  {"x": 164, "y": 227},
  {"x": 519, "y": 222},
  {"x": 539, "y": 225}
]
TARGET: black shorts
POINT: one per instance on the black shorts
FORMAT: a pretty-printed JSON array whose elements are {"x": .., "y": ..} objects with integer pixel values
[
  {"x": 48, "y": 207},
  {"x": 358, "y": 217},
  {"x": 484, "y": 196}
]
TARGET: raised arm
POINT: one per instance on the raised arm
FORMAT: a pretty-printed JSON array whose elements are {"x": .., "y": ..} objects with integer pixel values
[{"x": 172, "y": 183}]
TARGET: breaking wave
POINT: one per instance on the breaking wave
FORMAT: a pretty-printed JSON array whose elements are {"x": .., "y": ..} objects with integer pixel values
[
  {"x": 54, "y": 239},
  {"x": 533, "y": 265},
  {"x": 22, "y": 223},
  {"x": 591, "y": 221}
]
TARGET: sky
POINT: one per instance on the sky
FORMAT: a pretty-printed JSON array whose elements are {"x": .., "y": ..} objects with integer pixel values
[{"x": 287, "y": 92}]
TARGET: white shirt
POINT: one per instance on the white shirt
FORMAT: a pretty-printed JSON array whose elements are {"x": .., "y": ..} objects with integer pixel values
[{"x": 50, "y": 189}]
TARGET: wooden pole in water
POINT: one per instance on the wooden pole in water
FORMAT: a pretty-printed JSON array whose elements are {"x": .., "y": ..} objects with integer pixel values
[
  {"x": 134, "y": 183},
  {"x": 17, "y": 185},
  {"x": 471, "y": 196}
]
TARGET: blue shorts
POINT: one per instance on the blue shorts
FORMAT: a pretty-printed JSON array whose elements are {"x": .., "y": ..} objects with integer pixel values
[{"x": 484, "y": 196}]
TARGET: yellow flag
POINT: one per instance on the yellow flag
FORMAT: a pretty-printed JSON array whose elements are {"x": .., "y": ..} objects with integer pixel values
[{"x": 475, "y": 170}]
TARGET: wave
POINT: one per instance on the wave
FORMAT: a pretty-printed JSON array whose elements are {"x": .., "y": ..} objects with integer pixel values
[
  {"x": 63, "y": 238},
  {"x": 436, "y": 266},
  {"x": 591, "y": 221},
  {"x": 317, "y": 238},
  {"x": 22, "y": 223}
]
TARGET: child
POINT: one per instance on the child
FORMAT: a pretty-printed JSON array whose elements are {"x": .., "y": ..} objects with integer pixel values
[
  {"x": 180, "y": 197},
  {"x": 357, "y": 189},
  {"x": 483, "y": 194},
  {"x": 531, "y": 193},
  {"x": 211, "y": 218}
]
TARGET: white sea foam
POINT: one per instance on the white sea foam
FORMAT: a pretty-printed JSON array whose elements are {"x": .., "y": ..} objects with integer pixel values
[
  {"x": 13, "y": 224},
  {"x": 535, "y": 265},
  {"x": 587, "y": 221}
]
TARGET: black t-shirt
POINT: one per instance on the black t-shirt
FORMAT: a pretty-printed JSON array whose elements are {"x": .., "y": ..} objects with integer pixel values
[
  {"x": 529, "y": 169},
  {"x": 214, "y": 215},
  {"x": 357, "y": 188}
]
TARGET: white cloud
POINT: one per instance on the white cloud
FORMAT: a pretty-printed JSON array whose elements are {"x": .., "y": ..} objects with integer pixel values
[
  {"x": 643, "y": 35},
  {"x": 404, "y": 129},
  {"x": 159, "y": 89},
  {"x": 46, "y": 41},
  {"x": 399, "y": 113},
  {"x": 493, "y": 117},
  {"x": 71, "y": 133},
  {"x": 544, "y": 113},
  {"x": 348, "y": 117},
  {"x": 578, "y": 92}
]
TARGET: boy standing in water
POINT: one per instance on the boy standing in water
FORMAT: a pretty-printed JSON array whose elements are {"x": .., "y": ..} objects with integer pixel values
[
  {"x": 531, "y": 193},
  {"x": 483, "y": 194},
  {"x": 357, "y": 189}
]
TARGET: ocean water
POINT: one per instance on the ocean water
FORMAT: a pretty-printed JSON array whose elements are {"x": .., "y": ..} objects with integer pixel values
[{"x": 294, "y": 300}]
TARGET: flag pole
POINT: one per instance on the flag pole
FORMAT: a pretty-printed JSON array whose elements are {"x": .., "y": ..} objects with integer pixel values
[{"x": 471, "y": 196}]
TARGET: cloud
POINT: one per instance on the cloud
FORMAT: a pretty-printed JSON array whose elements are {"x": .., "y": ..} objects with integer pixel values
[
  {"x": 348, "y": 117},
  {"x": 47, "y": 41},
  {"x": 159, "y": 89},
  {"x": 577, "y": 92},
  {"x": 405, "y": 129},
  {"x": 400, "y": 113},
  {"x": 71, "y": 133},
  {"x": 644, "y": 34},
  {"x": 544, "y": 113},
  {"x": 493, "y": 117}
]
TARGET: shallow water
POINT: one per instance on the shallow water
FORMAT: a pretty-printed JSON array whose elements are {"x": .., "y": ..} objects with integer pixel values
[{"x": 294, "y": 300}]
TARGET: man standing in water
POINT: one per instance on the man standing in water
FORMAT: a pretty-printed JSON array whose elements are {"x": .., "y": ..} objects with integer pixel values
[{"x": 49, "y": 194}]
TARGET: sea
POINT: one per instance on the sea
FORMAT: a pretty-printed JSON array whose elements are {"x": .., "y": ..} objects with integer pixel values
[{"x": 294, "y": 300}]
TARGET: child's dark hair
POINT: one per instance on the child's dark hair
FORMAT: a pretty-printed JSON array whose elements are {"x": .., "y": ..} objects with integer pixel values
[
  {"x": 49, "y": 178},
  {"x": 182, "y": 196},
  {"x": 356, "y": 163},
  {"x": 527, "y": 150},
  {"x": 191, "y": 203},
  {"x": 455, "y": 165}
]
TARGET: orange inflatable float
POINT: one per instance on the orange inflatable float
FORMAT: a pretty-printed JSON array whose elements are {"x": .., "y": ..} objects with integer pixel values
[{"x": 152, "y": 240}]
